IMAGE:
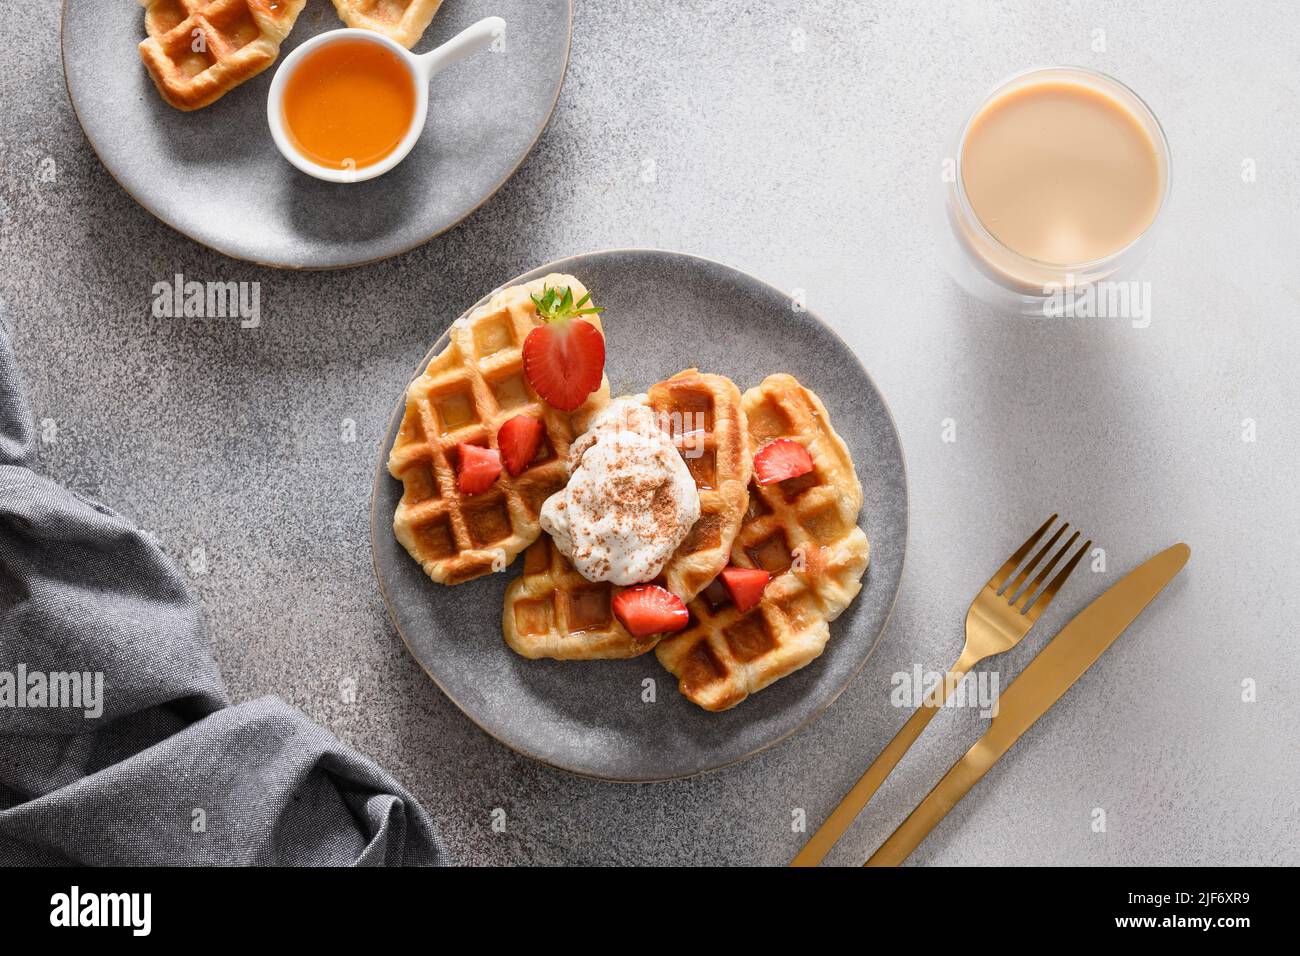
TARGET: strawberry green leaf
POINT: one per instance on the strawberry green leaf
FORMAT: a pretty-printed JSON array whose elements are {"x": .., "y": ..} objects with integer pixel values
[{"x": 555, "y": 305}]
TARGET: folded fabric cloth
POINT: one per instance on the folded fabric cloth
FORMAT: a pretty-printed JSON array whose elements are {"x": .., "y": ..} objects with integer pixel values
[{"x": 118, "y": 744}]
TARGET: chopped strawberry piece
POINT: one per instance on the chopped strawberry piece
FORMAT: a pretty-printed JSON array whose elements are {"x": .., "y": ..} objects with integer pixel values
[
  {"x": 746, "y": 585},
  {"x": 649, "y": 609},
  {"x": 478, "y": 468},
  {"x": 781, "y": 459},
  {"x": 564, "y": 360},
  {"x": 519, "y": 439}
]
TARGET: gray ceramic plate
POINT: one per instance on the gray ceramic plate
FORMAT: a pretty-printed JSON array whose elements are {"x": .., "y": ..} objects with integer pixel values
[
  {"x": 215, "y": 174},
  {"x": 663, "y": 312}
]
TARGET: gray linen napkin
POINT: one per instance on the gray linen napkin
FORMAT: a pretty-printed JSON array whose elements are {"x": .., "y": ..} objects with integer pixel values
[{"x": 169, "y": 772}]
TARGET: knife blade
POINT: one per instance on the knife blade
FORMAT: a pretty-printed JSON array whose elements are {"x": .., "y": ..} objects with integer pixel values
[{"x": 1041, "y": 684}]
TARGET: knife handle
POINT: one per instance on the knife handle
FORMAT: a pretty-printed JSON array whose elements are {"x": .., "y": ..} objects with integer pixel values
[
  {"x": 956, "y": 783},
  {"x": 1043, "y": 682},
  {"x": 842, "y": 817}
]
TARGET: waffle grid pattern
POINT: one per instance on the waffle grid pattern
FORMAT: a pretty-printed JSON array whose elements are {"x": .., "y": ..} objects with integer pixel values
[
  {"x": 804, "y": 532},
  {"x": 467, "y": 392},
  {"x": 553, "y": 611},
  {"x": 703, "y": 415},
  {"x": 198, "y": 50},
  {"x": 401, "y": 20}
]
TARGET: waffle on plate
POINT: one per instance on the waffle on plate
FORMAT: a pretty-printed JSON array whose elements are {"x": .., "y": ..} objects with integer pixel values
[
  {"x": 804, "y": 532},
  {"x": 464, "y": 395},
  {"x": 198, "y": 50},
  {"x": 402, "y": 20},
  {"x": 553, "y": 611}
]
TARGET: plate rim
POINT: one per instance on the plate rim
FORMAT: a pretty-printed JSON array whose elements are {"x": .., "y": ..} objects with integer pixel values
[
  {"x": 288, "y": 267},
  {"x": 381, "y": 473}
]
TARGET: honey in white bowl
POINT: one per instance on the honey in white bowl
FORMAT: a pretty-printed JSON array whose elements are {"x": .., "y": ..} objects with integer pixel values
[{"x": 349, "y": 103}]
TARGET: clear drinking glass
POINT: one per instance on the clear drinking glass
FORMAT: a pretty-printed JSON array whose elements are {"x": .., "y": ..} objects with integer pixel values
[{"x": 1006, "y": 279}]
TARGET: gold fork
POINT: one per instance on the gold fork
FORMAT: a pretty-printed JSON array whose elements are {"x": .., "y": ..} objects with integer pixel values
[{"x": 1000, "y": 616}]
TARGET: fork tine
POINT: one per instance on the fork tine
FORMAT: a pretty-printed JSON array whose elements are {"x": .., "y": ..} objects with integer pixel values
[
  {"x": 1044, "y": 598},
  {"x": 1014, "y": 588},
  {"x": 1023, "y": 598},
  {"x": 1013, "y": 562}
]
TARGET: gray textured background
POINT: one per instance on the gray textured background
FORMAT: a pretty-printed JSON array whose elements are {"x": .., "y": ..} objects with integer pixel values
[{"x": 807, "y": 159}]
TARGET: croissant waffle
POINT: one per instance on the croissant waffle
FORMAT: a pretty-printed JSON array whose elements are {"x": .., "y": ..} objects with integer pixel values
[
  {"x": 402, "y": 20},
  {"x": 804, "y": 532},
  {"x": 467, "y": 392},
  {"x": 553, "y": 611},
  {"x": 198, "y": 50}
]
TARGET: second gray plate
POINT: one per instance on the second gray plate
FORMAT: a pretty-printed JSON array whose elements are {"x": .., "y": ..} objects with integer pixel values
[
  {"x": 216, "y": 176},
  {"x": 663, "y": 312}
]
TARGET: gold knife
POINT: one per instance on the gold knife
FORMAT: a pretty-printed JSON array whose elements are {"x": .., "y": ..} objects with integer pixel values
[{"x": 1038, "y": 687}]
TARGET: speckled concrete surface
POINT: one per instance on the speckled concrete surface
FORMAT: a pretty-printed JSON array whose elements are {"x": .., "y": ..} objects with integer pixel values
[{"x": 797, "y": 141}]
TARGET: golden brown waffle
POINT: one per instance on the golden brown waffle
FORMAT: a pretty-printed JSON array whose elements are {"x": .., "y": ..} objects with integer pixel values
[
  {"x": 402, "y": 20},
  {"x": 553, "y": 611},
  {"x": 804, "y": 532},
  {"x": 198, "y": 50},
  {"x": 467, "y": 392},
  {"x": 703, "y": 415}
]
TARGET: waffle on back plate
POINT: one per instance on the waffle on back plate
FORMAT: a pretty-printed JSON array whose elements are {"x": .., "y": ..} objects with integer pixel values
[
  {"x": 402, "y": 20},
  {"x": 467, "y": 392},
  {"x": 804, "y": 532},
  {"x": 198, "y": 50},
  {"x": 553, "y": 611}
]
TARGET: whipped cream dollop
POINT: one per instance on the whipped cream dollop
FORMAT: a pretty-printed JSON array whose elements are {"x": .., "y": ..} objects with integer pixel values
[{"x": 630, "y": 499}]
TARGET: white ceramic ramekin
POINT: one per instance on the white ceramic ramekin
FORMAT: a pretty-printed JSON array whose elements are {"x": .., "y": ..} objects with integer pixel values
[{"x": 422, "y": 67}]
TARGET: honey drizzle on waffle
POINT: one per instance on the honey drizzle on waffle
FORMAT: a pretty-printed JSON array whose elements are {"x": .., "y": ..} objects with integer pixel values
[
  {"x": 804, "y": 533},
  {"x": 551, "y": 610},
  {"x": 465, "y": 394},
  {"x": 199, "y": 50}
]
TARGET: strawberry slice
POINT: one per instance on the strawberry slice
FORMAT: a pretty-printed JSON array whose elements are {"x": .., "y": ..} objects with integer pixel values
[
  {"x": 519, "y": 439},
  {"x": 478, "y": 468},
  {"x": 779, "y": 460},
  {"x": 649, "y": 609},
  {"x": 563, "y": 361},
  {"x": 746, "y": 586},
  {"x": 564, "y": 357}
]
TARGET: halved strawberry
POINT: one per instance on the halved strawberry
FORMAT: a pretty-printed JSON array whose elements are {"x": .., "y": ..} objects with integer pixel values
[
  {"x": 746, "y": 585},
  {"x": 478, "y": 468},
  {"x": 564, "y": 361},
  {"x": 649, "y": 609},
  {"x": 519, "y": 439},
  {"x": 564, "y": 357},
  {"x": 779, "y": 460}
]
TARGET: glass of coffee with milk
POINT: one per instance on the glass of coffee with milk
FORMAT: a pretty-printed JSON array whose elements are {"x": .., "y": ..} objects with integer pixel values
[{"x": 1054, "y": 192}]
